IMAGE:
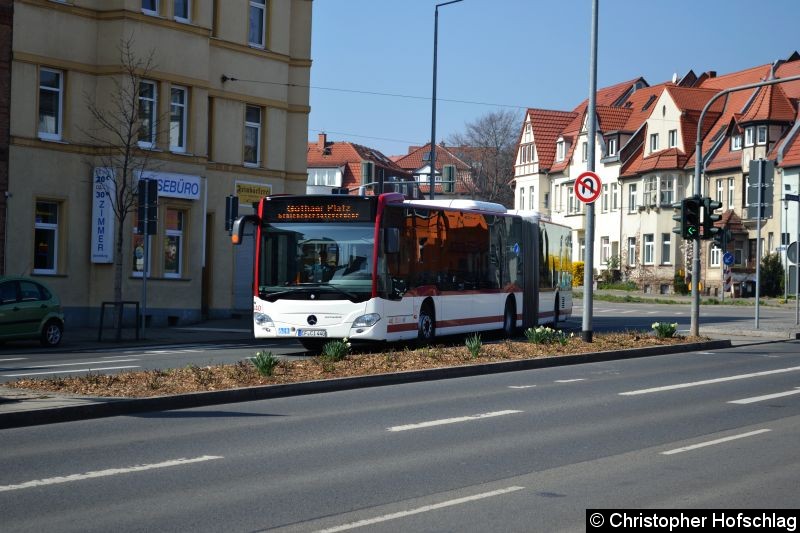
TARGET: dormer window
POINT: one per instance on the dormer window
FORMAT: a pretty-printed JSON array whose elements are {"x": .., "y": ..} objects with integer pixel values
[
  {"x": 654, "y": 142},
  {"x": 560, "y": 150},
  {"x": 612, "y": 146},
  {"x": 673, "y": 138},
  {"x": 736, "y": 142},
  {"x": 761, "y": 135},
  {"x": 748, "y": 136}
]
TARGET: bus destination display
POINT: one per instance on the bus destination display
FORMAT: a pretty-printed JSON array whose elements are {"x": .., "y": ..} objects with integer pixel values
[{"x": 319, "y": 209}]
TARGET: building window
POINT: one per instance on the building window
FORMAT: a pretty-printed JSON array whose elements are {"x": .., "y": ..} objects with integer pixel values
[
  {"x": 173, "y": 243},
  {"x": 147, "y": 114},
  {"x": 748, "y": 136},
  {"x": 331, "y": 177},
  {"x": 522, "y": 197},
  {"x": 547, "y": 200},
  {"x": 605, "y": 250},
  {"x": 177, "y": 119},
  {"x": 730, "y": 193},
  {"x": 667, "y": 193},
  {"x": 605, "y": 197},
  {"x": 736, "y": 142},
  {"x": 633, "y": 203},
  {"x": 714, "y": 256},
  {"x": 585, "y": 152},
  {"x": 532, "y": 198},
  {"x": 770, "y": 242},
  {"x": 719, "y": 190},
  {"x": 181, "y": 10},
  {"x": 666, "y": 249},
  {"x": 258, "y": 23},
  {"x": 51, "y": 98},
  {"x": 761, "y": 135},
  {"x": 654, "y": 142},
  {"x": 673, "y": 138},
  {"x": 571, "y": 207},
  {"x": 150, "y": 7},
  {"x": 631, "y": 251},
  {"x": 738, "y": 256},
  {"x": 650, "y": 193},
  {"x": 612, "y": 147},
  {"x": 45, "y": 238},
  {"x": 649, "y": 249},
  {"x": 614, "y": 197},
  {"x": 560, "y": 151},
  {"x": 252, "y": 136}
]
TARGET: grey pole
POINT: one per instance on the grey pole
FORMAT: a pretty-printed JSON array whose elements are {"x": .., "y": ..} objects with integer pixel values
[
  {"x": 432, "y": 175},
  {"x": 758, "y": 233},
  {"x": 698, "y": 170},
  {"x": 785, "y": 249},
  {"x": 797, "y": 271},
  {"x": 588, "y": 263}
]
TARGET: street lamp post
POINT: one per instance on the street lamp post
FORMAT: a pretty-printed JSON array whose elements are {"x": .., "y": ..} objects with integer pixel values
[{"x": 432, "y": 175}]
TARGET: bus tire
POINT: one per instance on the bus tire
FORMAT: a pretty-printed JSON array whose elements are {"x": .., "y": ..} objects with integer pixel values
[
  {"x": 426, "y": 324},
  {"x": 313, "y": 345},
  {"x": 556, "y": 312},
  {"x": 510, "y": 318}
]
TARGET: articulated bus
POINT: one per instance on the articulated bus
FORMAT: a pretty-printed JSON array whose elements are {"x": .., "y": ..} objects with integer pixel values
[{"x": 382, "y": 268}]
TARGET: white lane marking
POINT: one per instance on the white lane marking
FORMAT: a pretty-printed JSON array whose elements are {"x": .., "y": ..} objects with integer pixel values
[
  {"x": 108, "y": 472},
  {"x": 169, "y": 352},
  {"x": 69, "y": 370},
  {"x": 709, "y": 381},
  {"x": 85, "y": 363},
  {"x": 755, "y": 399},
  {"x": 713, "y": 442},
  {"x": 521, "y": 386},
  {"x": 424, "y": 509},
  {"x": 14, "y": 359},
  {"x": 569, "y": 380},
  {"x": 450, "y": 420}
]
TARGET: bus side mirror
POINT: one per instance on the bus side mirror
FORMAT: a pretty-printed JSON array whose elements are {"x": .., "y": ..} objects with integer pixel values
[
  {"x": 237, "y": 231},
  {"x": 391, "y": 240}
]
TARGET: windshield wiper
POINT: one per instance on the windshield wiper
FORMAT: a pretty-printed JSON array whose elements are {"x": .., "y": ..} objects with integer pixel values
[{"x": 306, "y": 287}]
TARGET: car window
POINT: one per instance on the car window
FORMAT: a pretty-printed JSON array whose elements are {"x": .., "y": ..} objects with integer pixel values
[
  {"x": 8, "y": 292},
  {"x": 29, "y": 291}
]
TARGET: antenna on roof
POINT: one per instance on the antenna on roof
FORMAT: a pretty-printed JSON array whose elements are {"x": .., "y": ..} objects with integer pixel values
[{"x": 675, "y": 77}]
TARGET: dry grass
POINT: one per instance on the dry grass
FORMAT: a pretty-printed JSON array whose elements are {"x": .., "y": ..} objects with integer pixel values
[{"x": 244, "y": 374}]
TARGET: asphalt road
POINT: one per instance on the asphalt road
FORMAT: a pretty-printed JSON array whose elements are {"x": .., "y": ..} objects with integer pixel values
[
  {"x": 524, "y": 451},
  {"x": 25, "y": 362}
]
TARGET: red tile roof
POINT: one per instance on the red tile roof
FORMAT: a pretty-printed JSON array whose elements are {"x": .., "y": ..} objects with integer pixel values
[
  {"x": 668, "y": 159},
  {"x": 734, "y": 79},
  {"x": 414, "y": 160},
  {"x": 770, "y": 103},
  {"x": 787, "y": 70},
  {"x": 612, "y": 118},
  {"x": 547, "y": 126}
]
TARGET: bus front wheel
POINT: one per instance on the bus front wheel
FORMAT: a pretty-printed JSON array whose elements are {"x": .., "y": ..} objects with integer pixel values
[
  {"x": 313, "y": 345},
  {"x": 426, "y": 324}
]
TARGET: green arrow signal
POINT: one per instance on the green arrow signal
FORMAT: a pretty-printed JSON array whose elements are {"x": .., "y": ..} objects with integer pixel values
[{"x": 691, "y": 230}]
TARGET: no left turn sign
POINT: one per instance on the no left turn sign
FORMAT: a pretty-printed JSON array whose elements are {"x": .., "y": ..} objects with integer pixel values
[{"x": 587, "y": 187}]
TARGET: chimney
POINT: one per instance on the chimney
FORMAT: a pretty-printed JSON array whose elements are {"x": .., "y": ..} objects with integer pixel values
[{"x": 322, "y": 141}]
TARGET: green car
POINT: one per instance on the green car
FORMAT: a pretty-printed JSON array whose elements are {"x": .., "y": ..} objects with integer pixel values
[{"x": 29, "y": 310}]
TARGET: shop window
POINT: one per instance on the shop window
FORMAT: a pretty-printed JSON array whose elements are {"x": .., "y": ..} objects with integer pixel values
[{"x": 45, "y": 240}]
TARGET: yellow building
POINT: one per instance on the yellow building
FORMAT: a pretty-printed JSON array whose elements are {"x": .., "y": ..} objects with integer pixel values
[{"x": 221, "y": 109}]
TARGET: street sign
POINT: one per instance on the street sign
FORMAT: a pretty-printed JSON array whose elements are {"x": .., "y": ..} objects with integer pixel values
[
  {"x": 727, "y": 258},
  {"x": 792, "y": 197},
  {"x": 587, "y": 187}
]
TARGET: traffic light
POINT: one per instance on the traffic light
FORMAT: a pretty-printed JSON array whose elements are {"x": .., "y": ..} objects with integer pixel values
[
  {"x": 709, "y": 217},
  {"x": 690, "y": 223},
  {"x": 678, "y": 217}
]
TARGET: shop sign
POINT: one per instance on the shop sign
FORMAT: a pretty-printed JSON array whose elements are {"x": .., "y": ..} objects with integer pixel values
[
  {"x": 174, "y": 185},
  {"x": 250, "y": 193}
]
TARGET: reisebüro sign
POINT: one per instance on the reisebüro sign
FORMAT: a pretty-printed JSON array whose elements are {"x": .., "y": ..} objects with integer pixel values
[{"x": 174, "y": 185}]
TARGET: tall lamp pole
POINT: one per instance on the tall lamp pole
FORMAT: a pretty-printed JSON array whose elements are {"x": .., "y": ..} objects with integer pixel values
[{"x": 432, "y": 175}]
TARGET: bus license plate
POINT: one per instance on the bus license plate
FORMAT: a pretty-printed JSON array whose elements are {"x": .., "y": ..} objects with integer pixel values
[{"x": 311, "y": 333}]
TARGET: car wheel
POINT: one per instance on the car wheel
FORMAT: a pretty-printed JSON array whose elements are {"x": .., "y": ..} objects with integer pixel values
[
  {"x": 52, "y": 333},
  {"x": 509, "y": 319},
  {"x": 426, "y": 325}
]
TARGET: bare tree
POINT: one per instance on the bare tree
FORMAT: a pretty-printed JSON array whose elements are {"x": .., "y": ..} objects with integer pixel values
[
  {"x": 489, "y": 146},
  {"x": 118, "y": 127}
]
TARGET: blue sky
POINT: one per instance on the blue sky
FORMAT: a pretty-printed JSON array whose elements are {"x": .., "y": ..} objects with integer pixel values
[{"x": 515, "y": 53}]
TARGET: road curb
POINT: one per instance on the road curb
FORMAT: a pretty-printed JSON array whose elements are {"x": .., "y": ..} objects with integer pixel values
[{"x": 107, "y": 407}]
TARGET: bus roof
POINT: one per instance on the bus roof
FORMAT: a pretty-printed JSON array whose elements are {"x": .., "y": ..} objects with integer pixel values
[{"x": 472, "y": 205}]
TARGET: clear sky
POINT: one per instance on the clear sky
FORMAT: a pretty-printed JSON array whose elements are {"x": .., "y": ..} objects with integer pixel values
[{"x": 515, "y": 54}]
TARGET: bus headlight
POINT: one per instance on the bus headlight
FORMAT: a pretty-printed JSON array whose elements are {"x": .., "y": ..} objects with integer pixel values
[
  {"x": 366, "y": 321},
  {"x": 262, "y": 320}
]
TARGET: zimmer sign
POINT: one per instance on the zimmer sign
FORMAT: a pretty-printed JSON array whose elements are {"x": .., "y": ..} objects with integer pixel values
[{"x": 103, "y": 218}]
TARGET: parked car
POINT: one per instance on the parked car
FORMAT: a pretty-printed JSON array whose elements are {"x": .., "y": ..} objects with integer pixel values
[{"x": 29, "y": 310}]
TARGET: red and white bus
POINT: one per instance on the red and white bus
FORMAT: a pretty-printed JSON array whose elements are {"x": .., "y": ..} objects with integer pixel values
[{"x": 382, "y": 268}]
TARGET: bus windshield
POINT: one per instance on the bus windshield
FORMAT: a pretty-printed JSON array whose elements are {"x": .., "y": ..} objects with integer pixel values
[{"x": 302, "y": 261}]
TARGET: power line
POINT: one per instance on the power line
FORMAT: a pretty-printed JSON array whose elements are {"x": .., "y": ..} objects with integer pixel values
[{"x": 372, "y": 93}]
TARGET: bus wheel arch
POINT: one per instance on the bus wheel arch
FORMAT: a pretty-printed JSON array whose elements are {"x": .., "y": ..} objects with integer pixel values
[
  {"x": 426, "y": 322},
  {"x": 510, "y": 317}
]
